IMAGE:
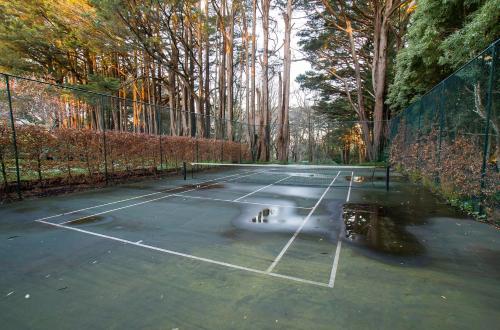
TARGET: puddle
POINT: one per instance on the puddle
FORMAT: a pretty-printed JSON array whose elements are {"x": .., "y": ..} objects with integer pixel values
[
  {"x": 203, "y": 186},
  {"x": 357, "y": 179},
  {"x": 85, "y": 221},
  {"x": 281, "y": 220},
  {"x": 376, "y": 227}
]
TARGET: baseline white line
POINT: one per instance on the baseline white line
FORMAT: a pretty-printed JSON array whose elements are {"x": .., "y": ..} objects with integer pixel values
[
  {"x": 149, "y": 200},
  {"x": 241, "y": 202},
  {"x": 336, "y": 259},
  {"x": 180, "y": 254},
  {"x": 285, "y": 248},
  {"x": 256, "y": 191},
  {"x": 126, "y": 200}
]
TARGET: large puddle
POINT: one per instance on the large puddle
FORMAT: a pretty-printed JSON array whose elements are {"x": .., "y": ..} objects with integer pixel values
[
  {"x": 282, "y": 220},
  {"x": 379, "y": 229}
]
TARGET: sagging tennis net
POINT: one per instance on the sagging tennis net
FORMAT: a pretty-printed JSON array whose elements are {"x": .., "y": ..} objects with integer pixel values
[{"x": 293, "y": 175}]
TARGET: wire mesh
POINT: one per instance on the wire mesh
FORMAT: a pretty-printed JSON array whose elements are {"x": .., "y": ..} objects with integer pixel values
[{"x": 450, "y": 137}]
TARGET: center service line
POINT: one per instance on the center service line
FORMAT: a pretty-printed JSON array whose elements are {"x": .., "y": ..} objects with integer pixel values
[
  {"x": 283, "y": 251},
  {"x": 333, "y": 274}
]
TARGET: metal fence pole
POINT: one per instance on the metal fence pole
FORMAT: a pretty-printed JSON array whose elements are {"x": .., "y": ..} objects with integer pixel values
[
  {"x": 158, "y": 119},
  {"x": 487, "y": 128},
  {"x": 14, "y": 138},
  {"x": 440, "y": 136},
  {"x": 104, "y": 141}
]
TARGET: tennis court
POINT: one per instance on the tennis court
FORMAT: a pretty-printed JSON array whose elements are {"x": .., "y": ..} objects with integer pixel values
[{"x": 247, "y": 246}]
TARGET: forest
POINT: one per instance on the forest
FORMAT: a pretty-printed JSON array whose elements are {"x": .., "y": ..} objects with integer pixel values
[{"x": 231, "y": 60}]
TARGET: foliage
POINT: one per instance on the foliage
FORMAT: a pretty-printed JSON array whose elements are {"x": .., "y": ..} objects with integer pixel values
[
  {"x": 442, "y": 36},
  {"x": 75, "y": 156}
]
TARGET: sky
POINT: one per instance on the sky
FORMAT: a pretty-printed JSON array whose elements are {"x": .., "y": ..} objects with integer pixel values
[{"x": 299, "y": 67}]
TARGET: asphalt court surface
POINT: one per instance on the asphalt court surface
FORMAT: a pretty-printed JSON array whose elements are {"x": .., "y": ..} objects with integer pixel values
[{"x": 226, "y": 217}]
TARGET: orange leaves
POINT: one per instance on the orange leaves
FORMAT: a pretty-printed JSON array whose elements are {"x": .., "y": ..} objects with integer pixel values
[
  {"x": 79, "y": 155},
  {"x": 451, "y": 163}
]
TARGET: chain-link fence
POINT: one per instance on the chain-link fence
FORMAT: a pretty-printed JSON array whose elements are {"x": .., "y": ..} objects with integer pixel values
[
  {"x": 53, "y": 135},
  {"x": 450, "y": 138}
]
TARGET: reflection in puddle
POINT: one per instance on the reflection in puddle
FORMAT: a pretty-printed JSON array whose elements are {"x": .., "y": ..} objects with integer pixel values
[
  {"x": 262, "y": 216},
  {"x": 203, "y": 186},
  {"x": 88, "y": 220},
  {"x": 356, "y": 179},
  {"x": 283, "y": 220},
  {"x": 371, "y": 225}
]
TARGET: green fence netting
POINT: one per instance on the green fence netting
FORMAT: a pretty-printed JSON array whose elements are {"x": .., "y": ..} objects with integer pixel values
[{"x": 450, "y": 138}]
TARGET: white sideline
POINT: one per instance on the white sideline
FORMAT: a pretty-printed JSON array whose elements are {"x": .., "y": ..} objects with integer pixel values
[
  {"x": 256, "y": 191},
  {"x": 150, "y": 200},
  {"x": 335, "y": 265},
  {"x": 126, "y": 200},
  {"x": 350, "y": 186},
  {"x": 241, "y": 202},
  {"x": 285, "y": 248},
  {"x": 180, "y": 254}
]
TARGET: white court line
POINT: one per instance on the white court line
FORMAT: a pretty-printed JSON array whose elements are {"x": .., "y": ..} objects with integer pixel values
[
  {"x": 278, "y": 258},
  {"x": 126, "y": 200},
  {"x": 241, "y": 202},
  {"x": 350, "y": 186},
  {"x": 211, "y": 261},
  {"x": 335, "y": 265},
  {"x": 150, "y": 200},
  {"x": 333, "y": 274},
  {"x": 256, "y": 191}
]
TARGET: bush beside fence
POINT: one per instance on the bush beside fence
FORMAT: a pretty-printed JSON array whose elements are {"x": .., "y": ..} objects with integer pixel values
[
  {"x": 64, "y": 156},
  {"x": 450, "y": 138}
]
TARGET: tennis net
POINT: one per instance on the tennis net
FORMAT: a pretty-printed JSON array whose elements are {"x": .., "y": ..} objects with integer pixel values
[{"x": 293, "y": 175}]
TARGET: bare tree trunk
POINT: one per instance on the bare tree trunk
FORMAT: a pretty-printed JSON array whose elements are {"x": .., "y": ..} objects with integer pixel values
[
  {"x": 207, "y": 74},
  {"x": 283, "y": 130},
  {"x": 222, "y": 71},
  {"x": 265, "y": 140},
  {"x": 379, "y": 68},
  {"x": 247, "y": 73},
  {"x": 252, "y": 95},
  {"x": 230, "y": 70},
  {"x": 172, "y": 90},
  {"x": 200, "y": 111},
  {"x": 359, "y": 86}
]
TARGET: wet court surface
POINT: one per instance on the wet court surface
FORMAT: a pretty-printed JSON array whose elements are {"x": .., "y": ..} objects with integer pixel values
[{"x": 245, "y": 249}]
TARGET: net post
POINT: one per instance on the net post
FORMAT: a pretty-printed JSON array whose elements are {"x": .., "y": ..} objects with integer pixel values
[
  {"x": 184, "y": 170},
  {"x": 104, "y": 144},
  {"x": 14, "y": 138},
  {"x": 387, "y": 177}
]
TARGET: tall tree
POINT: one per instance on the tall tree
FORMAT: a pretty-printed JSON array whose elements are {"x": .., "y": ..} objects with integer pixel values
[{"x": 283, "y": 116}]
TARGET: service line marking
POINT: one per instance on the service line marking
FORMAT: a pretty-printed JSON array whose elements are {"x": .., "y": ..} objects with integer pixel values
[
  {"x": 151, "y": 200},
  {"x": 180, "y": 254},
  {"x": 126, "y": 200},
  {"x": 256, "y": 191},
  {"x": 285, "y": 248},
  {"x": 242, "y": 202},
  {"x": 335, "y": 265}
]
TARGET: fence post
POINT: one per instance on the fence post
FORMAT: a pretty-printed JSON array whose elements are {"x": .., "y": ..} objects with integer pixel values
[
  {"x": 14, "y": 138},
  {"x": 197, "y": 150},
  {"x": 158, "y": 119},
  {"x": 487, "y": 128},
  {"x": 104, "y": 141},
  {"x": 419, "y": 136},
  {"x": 440, "y": 136}
]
